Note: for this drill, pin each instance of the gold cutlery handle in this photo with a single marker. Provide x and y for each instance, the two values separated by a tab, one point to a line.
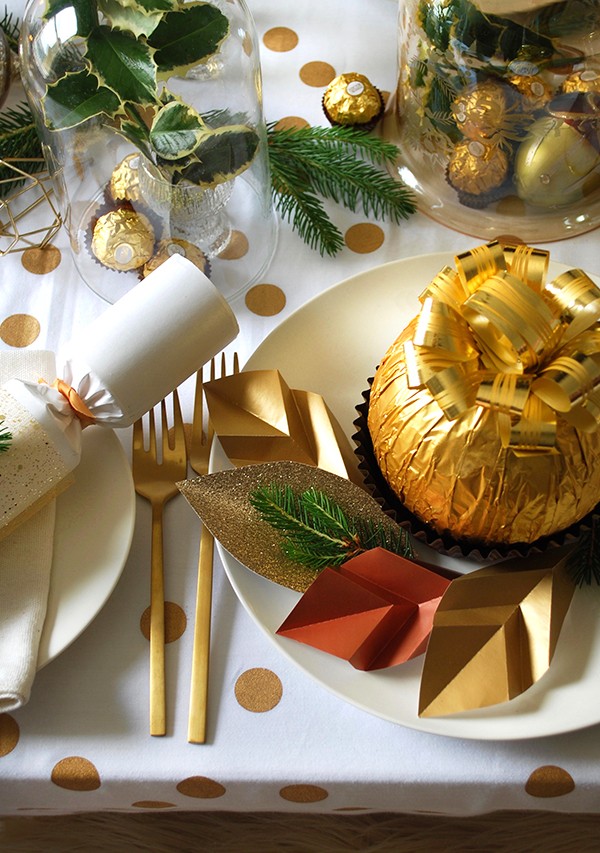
201	653
158	714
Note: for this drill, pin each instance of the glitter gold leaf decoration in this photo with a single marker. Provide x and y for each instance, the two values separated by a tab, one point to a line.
494	635
222	501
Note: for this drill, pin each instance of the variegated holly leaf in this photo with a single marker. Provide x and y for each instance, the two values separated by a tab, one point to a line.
176	131
494	635
123	64
85	14
75	98
222	153
188	36
129	17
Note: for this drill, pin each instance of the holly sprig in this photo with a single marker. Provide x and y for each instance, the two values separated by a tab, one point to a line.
317	532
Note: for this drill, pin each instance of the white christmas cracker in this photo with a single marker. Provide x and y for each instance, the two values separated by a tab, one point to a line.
115	370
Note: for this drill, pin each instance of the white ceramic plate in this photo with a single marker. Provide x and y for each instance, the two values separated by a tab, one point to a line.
332	345
94	526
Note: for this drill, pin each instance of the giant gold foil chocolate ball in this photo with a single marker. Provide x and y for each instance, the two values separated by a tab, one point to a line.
459	474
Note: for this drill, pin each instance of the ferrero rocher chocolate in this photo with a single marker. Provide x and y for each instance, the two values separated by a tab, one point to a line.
587	80
480	110
476	169
166	248
485	412
534	90
351	99
123	240
124	183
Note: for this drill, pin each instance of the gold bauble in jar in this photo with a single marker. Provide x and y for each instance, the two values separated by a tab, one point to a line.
555	164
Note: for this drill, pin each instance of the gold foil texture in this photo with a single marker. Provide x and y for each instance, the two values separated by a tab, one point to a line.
123	240
505	447
351	99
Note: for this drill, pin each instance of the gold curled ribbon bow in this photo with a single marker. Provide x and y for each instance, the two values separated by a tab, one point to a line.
494	333
74	400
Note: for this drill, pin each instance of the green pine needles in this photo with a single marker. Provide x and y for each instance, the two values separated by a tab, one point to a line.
316	531
5	439
338	163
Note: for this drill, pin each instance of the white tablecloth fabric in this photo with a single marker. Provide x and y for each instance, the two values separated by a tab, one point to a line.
82	742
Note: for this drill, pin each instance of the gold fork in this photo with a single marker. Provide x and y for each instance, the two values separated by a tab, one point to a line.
155	475
199	455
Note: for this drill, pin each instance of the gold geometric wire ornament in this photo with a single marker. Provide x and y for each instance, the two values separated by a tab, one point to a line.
22	193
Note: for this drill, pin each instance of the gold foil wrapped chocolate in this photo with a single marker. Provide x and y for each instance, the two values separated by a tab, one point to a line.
477	169
124	184
351	99
487	427
172	246
480	111
123	239
587	80
534	90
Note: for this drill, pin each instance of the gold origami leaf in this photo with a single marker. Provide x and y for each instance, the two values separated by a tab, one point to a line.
494	635
222	502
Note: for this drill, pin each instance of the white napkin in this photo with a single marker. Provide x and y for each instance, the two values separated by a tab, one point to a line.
25	566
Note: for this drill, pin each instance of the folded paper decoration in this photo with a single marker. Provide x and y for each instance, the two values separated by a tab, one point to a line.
258	418
113	371
494	635
375	611
222	502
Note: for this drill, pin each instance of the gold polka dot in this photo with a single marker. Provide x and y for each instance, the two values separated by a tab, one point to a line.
549	781
303	793
19	330
266	300
9	734
175	622
236	248
152	804
76	774
200	787
510	240
317	73
293	122
364	238
41	261
280	39
258	690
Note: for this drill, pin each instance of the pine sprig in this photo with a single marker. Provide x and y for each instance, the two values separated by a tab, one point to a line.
18	139
316	530
337	163
584	561
11	27
5	439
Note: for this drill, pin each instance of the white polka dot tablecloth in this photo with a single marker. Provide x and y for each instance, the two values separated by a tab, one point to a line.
276	741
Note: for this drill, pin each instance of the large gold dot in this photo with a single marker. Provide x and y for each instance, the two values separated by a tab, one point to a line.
9	734
280	39
41	261
549	781
258	690
200	787
19	330
236	248
317	73
303	793
76	774
364	237
291	122
266	300
175	622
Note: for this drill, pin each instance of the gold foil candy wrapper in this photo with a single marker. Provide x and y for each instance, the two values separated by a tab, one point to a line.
123	239
502	448
477	169
351	99
587	80
534	90
172	246
124	184
480	111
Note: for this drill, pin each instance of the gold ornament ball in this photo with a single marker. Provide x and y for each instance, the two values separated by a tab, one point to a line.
555	165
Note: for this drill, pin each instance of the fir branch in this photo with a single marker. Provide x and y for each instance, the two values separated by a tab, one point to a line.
337	163
583	563
18	140
316	530
11	27
5	439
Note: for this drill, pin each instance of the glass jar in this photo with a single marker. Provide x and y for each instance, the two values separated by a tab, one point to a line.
497	114
152	127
